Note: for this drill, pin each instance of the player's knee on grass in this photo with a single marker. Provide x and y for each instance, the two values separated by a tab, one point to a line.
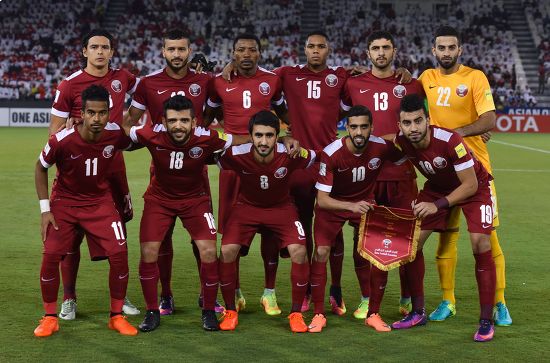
297	253
229	253
150	251
207	250
480	243
322	253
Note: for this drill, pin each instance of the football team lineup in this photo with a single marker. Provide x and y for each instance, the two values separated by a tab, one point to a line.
297	191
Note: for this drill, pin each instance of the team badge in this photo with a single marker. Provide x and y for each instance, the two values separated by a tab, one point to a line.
439	162
331	80
386	242
108	151
264	88
116	86
374	163
323	169
462	90
399	91
281	172
195	152
194	90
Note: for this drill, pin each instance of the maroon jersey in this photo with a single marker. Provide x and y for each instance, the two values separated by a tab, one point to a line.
157	87
82	167
351	177
442	159
244	97
313	101
179	169
383	98
118	82
264	185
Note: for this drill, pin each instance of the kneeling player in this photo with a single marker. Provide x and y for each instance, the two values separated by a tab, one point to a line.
81	200
264	204
454	178
180	152
347	179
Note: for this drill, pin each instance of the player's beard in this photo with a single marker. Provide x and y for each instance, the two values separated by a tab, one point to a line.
176	69
181	141
265	153
382	64
448	63
417	137
362	142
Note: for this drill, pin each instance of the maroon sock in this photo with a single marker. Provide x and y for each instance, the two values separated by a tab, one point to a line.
336	261
164	262
227	274
69	271
49	281
415	279
405	292
378	281
270	256
209	283
118	279
116	306
318	281
362	270
238	272
486	281
299	278
149	278
197	255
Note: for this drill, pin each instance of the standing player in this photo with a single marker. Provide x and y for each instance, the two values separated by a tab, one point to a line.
264	203
460	98
454	178
97	48
81	200
380	91
177	78
177	189
346	186
252	90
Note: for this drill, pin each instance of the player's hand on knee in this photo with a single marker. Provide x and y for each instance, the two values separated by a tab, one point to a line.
47	219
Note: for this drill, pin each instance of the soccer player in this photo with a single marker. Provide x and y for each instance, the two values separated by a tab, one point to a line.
180	151
81	200
460	98
97	48
346	188
252	90
454	178
264	203
381	92
177	78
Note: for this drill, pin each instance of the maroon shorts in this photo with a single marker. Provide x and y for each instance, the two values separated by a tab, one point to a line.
247	220
396	193
100	223
195	214
328	224
229	183
478	211
302	189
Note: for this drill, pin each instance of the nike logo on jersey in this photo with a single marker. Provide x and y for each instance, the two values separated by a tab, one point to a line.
364	90
161	92
230	89
430	86
75	157
300	79
121	277
342	170
47	280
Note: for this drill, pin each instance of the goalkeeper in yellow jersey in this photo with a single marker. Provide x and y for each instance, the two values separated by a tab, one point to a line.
460	98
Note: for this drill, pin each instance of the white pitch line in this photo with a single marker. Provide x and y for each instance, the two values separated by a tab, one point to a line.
524	170
521	146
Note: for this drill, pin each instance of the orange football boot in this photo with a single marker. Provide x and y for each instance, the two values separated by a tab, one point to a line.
297	324
48	325
230	320
120	324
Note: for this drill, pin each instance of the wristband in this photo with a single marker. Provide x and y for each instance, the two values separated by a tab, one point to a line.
442	203
44	205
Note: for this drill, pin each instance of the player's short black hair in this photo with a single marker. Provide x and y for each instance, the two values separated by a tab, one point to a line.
359	110
94	93
380	34
179	103
412	103
247	36
447	31
175	34
317	32
98	33
265	118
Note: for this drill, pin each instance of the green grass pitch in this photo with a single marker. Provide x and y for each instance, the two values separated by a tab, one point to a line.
522	180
